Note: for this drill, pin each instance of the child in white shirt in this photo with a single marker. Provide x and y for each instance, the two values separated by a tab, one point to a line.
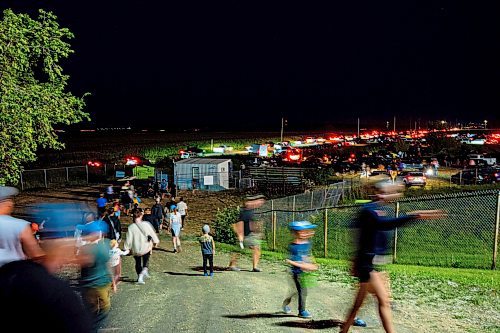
115	262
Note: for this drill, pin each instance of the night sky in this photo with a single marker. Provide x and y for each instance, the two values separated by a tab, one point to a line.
209	64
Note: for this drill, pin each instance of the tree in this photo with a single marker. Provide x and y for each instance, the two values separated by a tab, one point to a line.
32	89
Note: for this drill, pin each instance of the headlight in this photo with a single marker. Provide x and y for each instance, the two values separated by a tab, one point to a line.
429	172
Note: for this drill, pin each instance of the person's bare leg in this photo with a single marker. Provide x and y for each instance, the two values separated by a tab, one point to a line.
175	243
360	297
234	260
384	305
256	256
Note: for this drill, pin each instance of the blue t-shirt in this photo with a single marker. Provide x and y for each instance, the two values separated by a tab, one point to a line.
206	244
101	202
299	253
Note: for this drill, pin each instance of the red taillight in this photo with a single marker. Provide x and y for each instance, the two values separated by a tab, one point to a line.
89	162
181	152
410	178
97	164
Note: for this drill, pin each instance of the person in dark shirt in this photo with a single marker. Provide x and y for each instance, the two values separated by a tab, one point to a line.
372	240
28	286
157	214
247	229
113	223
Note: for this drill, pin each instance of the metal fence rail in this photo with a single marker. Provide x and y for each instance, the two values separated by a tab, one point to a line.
467	237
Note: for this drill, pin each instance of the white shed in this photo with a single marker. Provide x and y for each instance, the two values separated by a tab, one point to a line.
202	173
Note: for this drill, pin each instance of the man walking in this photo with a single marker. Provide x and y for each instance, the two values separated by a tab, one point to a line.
248	230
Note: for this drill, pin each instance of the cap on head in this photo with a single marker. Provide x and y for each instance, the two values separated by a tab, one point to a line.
206	228
301	225
6	192
172	207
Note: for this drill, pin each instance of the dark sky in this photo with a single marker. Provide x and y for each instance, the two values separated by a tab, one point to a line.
210	64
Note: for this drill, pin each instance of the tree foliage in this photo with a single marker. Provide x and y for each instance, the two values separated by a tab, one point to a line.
33	97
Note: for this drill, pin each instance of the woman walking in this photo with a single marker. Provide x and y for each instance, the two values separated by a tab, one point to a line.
141	237
175	227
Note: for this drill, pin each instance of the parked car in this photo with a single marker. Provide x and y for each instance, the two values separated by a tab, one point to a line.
414	178
191	152
491	175
467	177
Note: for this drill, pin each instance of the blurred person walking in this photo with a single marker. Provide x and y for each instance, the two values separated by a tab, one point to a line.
95	277
302	263
16	236
374	229
141	237
248	230
114	225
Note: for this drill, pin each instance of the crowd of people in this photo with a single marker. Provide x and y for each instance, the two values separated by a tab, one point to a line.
94	247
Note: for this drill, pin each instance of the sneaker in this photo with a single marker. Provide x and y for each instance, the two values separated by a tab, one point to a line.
234	268
205	274
145	273
212	274
359	322
175	251
256	270
140	280
305	314
286	309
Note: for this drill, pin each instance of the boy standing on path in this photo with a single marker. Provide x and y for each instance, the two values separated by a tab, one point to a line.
300	260
208	250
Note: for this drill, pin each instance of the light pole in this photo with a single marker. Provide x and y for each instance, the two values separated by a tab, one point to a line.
485	124
282	125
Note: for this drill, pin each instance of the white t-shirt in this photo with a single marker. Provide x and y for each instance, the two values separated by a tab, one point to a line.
10	239
181	207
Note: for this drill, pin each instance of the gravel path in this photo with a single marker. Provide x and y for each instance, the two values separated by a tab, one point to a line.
178	298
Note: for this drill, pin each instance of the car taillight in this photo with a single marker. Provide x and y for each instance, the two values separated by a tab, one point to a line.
410	178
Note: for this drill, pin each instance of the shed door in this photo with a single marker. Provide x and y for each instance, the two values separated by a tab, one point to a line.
196	173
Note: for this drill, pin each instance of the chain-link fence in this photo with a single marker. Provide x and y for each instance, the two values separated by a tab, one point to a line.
467	237
70	176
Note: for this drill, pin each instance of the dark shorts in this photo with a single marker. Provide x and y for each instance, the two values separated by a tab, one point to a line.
252	240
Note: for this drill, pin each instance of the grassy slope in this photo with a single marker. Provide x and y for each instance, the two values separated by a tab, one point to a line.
470	295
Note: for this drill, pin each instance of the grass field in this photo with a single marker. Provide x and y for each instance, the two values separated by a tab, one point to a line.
471	296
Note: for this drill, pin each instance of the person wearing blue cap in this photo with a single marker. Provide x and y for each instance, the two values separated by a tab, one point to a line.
175	227
95	277
301	262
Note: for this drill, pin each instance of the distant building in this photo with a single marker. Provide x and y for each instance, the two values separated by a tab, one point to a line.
202	173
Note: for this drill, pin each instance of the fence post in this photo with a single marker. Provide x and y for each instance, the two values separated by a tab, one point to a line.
325	226
87	172
312	197
273	224
460	182
395	251
22	185
274	230
67	174
45	177
497	225
105	173
293	209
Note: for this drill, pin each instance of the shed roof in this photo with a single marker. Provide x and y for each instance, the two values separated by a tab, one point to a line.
202	160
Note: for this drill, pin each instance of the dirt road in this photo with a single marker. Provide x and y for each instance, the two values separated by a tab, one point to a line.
178	298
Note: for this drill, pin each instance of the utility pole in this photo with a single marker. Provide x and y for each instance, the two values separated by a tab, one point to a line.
282	125
394	128
358	127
